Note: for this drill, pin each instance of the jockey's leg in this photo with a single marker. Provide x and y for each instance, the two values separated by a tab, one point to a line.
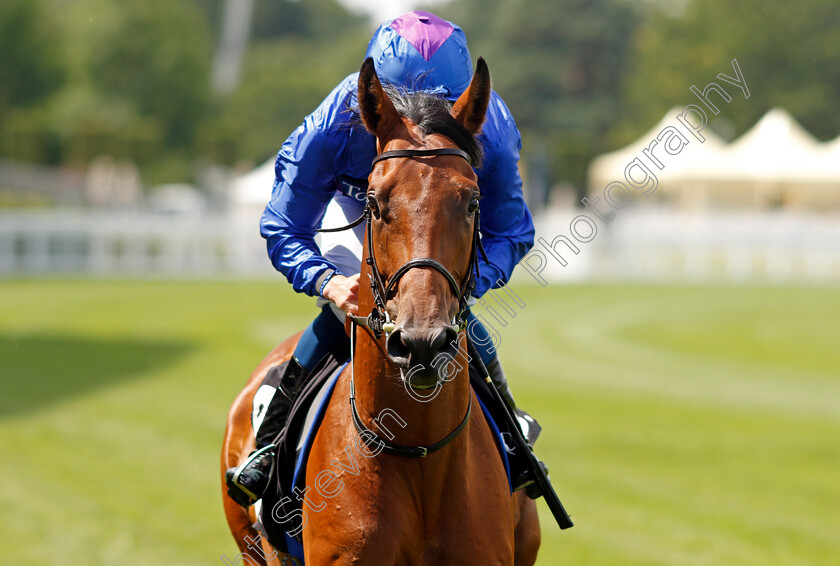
487	351
324	335
522	477
248	482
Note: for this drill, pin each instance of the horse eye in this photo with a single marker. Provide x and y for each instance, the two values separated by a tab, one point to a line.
473	206
373	206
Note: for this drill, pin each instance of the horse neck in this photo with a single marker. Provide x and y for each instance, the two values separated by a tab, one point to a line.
429	415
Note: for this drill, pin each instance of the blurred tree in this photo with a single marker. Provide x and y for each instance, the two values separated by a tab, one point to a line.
31	67
156	56
302	51
212	10
283	82
321	19
789	55
132	80
558	65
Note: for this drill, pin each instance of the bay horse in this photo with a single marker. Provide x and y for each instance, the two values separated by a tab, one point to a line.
453	506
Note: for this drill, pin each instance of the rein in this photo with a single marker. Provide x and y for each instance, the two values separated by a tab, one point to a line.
378	320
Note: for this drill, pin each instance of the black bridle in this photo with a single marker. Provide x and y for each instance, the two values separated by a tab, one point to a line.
378	321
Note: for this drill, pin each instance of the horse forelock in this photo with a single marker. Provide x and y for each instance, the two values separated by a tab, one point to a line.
431	114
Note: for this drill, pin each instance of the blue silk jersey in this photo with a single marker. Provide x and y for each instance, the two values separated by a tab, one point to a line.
331	151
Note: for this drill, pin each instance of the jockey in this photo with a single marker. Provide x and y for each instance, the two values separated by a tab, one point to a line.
321	180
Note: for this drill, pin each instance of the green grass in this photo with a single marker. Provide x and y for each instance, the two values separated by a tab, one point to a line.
682	425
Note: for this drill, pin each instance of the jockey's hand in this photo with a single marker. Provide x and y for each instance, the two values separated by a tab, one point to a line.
344	292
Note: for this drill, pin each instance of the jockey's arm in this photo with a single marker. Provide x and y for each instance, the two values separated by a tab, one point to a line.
303	187
507	228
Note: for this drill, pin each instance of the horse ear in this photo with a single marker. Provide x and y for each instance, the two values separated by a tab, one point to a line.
377	110
471	107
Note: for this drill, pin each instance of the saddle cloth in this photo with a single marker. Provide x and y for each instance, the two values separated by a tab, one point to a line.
281	512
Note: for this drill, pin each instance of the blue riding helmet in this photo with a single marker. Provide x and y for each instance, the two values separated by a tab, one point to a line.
445	67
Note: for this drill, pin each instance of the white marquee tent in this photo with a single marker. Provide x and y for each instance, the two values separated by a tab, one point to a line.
778	150
689	162
249	193
776	162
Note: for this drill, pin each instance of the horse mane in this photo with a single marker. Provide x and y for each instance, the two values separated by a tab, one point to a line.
431	113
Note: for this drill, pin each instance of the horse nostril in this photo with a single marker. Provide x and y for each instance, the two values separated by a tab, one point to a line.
411	347
445	342
451	343
437	341
397	348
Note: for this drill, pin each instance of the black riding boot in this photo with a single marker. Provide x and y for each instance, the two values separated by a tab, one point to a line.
497	374
247	483
524	478
529	426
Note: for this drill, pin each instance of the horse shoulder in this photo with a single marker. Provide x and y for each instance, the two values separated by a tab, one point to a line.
347	493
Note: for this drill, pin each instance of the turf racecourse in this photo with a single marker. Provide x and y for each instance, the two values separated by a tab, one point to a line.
683	425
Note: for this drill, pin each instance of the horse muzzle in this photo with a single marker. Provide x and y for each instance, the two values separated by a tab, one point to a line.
423	354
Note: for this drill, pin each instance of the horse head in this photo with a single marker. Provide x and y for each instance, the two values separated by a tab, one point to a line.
423	199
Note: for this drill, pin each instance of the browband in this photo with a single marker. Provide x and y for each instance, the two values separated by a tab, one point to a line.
421	153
